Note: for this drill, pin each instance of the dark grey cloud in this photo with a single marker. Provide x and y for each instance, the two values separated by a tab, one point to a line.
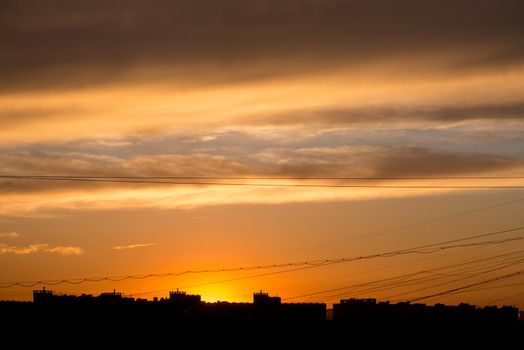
417	161
394	113
49	44
308	161
82	164
389	162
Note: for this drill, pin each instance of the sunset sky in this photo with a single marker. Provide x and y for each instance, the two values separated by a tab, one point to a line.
258	89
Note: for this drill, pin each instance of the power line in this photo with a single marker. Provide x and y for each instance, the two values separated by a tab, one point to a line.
472	237
356	178
467	273
267	274
248	184
518	262
496	287
504	296
407	280
231	279
401	278
491	280
424	249
384	231
420	223
310	267
475	289
380	268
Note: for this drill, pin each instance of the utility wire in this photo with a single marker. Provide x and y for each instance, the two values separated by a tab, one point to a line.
504	296
471	237
388	282
231	279
277	272
356	178
518	284
248	184
520	261
311	267
406	281
380	268
475	289
424	249
381	232
471	273
491	280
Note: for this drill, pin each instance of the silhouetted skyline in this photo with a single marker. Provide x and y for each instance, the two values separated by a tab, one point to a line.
114	316
353	311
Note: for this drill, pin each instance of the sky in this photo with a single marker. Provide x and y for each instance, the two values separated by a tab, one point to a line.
258	89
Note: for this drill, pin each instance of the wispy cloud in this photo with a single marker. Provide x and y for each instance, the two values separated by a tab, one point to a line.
323	155
190	197
133	246
64	250
40	247
9	234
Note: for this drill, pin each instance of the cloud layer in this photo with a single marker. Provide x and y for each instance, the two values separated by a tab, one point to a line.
316	156
253	88
62	44
9	234
277	153
38	248
132	246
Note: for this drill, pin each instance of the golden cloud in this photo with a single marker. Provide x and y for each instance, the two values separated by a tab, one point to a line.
40	247
133	246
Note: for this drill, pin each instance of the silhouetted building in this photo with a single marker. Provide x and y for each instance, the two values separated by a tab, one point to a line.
114	295
356	310
265	312
183	300
42	296
261	298
303	312
182	315
367	311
